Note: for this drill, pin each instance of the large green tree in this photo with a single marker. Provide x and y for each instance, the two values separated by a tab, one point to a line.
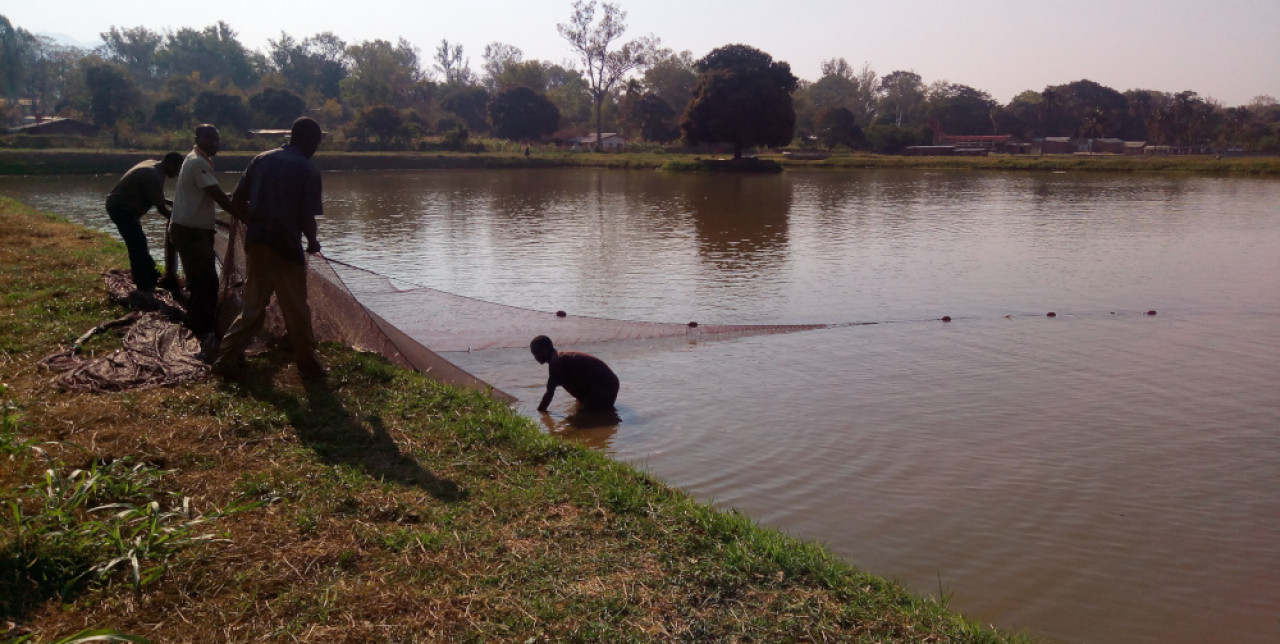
48	74
17	49
384	74
1088	109
743	97
671	78
384	122
223	109
469	103
645	112
838	126
594	42
112	94
843	86
134	48
960	109
498	58
215	53
568	89
521	114
275	108
901	97
313	67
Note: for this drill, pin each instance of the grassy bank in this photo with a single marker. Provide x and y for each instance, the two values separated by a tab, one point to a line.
18	162
1204	165
378	506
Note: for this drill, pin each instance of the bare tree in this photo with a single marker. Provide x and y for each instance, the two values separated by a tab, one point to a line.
498	57
456	69
592	44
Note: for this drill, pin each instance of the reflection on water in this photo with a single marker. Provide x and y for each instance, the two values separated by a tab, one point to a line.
1099	476
592	428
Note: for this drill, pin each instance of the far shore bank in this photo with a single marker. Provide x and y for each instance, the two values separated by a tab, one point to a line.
48	162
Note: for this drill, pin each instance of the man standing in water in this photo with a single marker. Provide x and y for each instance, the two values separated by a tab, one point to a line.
583	375
192	227
140	189
279	195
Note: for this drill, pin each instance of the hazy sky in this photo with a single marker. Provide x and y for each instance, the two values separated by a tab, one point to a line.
1225	49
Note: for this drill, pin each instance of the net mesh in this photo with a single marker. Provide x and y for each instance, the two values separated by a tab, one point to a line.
356	307
361	309
449	322
410	326
338	316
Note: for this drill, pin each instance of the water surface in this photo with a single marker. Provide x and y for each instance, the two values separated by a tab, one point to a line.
1103	475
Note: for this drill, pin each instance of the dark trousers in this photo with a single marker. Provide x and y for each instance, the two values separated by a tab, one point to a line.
195	249
129	223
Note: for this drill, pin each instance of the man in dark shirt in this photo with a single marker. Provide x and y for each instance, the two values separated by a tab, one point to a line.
279	194
140	189
583	375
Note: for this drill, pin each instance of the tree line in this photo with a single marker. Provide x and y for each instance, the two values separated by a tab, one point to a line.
388	95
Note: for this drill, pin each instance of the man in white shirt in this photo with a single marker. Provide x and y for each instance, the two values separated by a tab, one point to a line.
192	226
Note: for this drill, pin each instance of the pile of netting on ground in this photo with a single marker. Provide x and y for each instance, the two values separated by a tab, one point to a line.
156	349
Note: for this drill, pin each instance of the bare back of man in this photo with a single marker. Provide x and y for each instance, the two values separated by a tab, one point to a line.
583	375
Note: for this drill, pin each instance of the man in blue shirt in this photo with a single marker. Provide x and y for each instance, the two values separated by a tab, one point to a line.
279	194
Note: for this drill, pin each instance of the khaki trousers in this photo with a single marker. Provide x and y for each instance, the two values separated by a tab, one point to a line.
268	273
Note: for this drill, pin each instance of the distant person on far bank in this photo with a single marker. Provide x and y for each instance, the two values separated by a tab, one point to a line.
192	228
583	375
279	197
135	194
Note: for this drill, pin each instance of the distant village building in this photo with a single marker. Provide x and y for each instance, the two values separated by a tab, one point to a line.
1058	145
1134	147
609	142
269	134
61	126
1002	143
1106	146
943	151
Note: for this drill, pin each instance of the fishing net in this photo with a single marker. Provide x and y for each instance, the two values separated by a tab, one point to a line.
156	349
358	308
448	322
409	326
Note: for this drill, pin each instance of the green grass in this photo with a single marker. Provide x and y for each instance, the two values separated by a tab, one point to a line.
377	506
1208	165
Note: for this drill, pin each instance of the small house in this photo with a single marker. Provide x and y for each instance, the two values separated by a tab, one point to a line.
1135	147
609	142
1107	146
61	126
1057	145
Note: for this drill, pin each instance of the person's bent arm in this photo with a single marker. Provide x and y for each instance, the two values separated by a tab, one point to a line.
221	198
312	208
158	200
546	398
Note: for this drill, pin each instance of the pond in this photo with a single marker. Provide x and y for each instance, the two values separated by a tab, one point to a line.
1102	475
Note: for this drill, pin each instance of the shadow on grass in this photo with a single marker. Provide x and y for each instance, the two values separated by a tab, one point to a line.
338	437
31	575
